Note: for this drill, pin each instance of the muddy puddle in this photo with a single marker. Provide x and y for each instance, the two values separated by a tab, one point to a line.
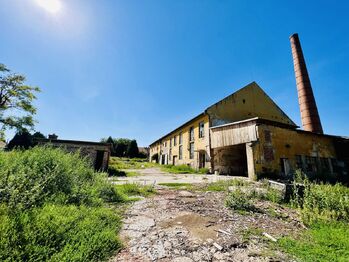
200	227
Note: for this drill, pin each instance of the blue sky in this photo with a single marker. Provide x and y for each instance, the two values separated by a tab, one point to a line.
138	69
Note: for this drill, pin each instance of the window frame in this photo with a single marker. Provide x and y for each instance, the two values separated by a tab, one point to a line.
202	129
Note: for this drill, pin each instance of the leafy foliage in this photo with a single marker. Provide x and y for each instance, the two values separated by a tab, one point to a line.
15	97
123	147
322	202
238	200
51	208
58	233
24	140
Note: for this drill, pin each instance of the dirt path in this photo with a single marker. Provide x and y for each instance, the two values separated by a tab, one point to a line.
184	226
156	175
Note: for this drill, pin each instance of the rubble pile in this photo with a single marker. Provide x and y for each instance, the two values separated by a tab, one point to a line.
196	226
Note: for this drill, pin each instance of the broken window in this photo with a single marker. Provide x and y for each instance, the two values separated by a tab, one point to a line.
174	140
180	152
191	134
201	129
310	164
299	163
170	142
191	149
180	138
325	164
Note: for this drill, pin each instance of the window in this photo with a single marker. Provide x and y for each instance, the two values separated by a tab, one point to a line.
180	152
170	154
201	129
180	138
191	134
191	149
325	164
299	163
170	142
174	140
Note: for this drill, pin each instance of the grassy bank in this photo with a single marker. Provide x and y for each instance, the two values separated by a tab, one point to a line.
183	169
54	207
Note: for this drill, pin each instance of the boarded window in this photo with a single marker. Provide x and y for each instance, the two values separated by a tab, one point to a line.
268	153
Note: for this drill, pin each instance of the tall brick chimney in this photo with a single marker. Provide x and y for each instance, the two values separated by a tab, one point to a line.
309	113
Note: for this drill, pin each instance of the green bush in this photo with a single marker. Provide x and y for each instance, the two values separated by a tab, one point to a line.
323	202
58	233
239	200
51	208
30	178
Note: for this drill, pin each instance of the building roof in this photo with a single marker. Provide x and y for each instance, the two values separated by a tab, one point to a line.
62	141
250	85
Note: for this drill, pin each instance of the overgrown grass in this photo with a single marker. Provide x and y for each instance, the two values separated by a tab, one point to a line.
53	208
322	242
325	209
119	163
237	200
183	169
135	189
223	185
177	185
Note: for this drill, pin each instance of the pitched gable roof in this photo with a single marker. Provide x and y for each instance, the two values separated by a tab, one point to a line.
248	102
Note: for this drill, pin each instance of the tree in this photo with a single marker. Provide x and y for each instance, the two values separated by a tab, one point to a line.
16	97
132	149
22	139
121	145
111	141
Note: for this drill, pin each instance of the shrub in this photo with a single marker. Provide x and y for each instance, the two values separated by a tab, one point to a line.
51	208
238	200
58	233
42	174
325	202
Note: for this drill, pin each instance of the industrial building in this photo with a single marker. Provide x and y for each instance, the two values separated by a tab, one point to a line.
247	134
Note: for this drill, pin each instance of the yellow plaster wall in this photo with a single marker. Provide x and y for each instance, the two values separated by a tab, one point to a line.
248	102
287	143
199	143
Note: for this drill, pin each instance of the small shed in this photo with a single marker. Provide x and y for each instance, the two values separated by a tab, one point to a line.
98	153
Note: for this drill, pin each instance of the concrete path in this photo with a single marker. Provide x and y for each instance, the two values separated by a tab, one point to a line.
157	176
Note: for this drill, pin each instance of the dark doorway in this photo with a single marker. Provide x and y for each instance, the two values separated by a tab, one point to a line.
99	160
202	159
231	160
174	160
